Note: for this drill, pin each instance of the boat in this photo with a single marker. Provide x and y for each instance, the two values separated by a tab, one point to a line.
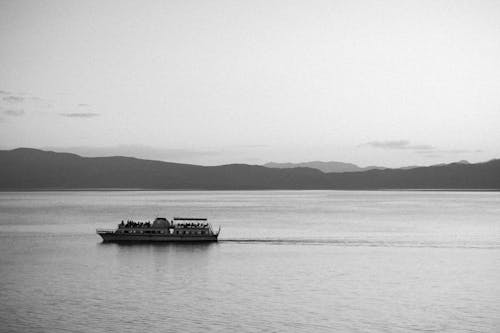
179	229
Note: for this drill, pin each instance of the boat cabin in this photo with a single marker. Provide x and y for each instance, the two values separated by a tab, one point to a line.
182	226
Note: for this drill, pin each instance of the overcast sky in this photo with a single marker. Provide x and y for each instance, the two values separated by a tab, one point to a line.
209	82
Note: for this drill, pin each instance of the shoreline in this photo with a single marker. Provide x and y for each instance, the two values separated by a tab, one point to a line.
242	190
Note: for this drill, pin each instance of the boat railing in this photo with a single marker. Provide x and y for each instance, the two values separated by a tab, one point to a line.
105	231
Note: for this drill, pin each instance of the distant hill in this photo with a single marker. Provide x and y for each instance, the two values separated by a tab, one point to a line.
477	176
31	169
326	167
26	168
333	166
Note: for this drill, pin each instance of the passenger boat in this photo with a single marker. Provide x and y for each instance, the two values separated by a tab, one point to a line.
179	229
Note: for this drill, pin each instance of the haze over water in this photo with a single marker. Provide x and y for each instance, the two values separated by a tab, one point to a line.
304	261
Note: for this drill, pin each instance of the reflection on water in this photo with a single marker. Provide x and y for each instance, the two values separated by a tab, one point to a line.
287	261
188	246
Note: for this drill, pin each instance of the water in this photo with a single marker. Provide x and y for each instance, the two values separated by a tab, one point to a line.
298	261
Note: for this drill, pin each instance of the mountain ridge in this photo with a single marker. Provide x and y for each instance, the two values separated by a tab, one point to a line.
28	169
335	166
327	167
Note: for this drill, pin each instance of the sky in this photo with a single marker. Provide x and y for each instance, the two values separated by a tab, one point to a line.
388	83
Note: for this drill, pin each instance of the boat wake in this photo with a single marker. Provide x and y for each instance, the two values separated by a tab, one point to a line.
365	243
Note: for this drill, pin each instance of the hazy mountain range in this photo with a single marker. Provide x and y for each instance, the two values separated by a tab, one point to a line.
27	169
333	166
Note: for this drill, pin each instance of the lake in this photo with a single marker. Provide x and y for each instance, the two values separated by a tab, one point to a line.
296	261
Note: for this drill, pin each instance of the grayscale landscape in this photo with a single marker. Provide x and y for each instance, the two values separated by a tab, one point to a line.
249	166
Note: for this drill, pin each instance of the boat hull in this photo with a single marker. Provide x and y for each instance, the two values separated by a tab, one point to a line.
114	237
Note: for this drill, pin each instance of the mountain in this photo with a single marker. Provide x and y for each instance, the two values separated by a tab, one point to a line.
485	176
326	167
333	166
27	169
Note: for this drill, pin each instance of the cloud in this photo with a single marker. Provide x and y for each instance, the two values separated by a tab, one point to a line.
13	99
80	114
399	144
249	146
26	100
433	155
443	152
462	151
41	102
14	113
421	149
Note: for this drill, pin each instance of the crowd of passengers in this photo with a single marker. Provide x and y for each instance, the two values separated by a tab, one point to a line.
133	224
192	225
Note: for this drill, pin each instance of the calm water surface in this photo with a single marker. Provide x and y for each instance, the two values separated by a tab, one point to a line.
288	261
